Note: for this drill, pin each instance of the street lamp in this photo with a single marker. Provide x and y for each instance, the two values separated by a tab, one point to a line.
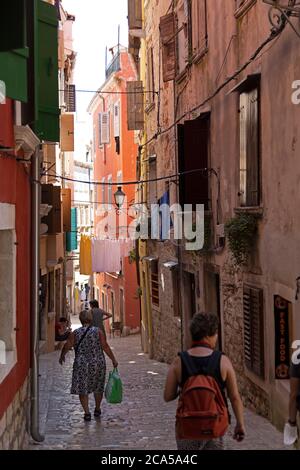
119	197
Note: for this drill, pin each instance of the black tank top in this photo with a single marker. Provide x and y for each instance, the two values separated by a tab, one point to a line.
206	365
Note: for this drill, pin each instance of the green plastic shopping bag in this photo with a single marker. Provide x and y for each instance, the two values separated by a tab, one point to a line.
114	388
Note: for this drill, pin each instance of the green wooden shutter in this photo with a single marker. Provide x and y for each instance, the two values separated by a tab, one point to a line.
46	72
72	236
13	25
13	72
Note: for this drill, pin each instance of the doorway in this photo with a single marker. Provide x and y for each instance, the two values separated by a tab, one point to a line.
189	303
213	298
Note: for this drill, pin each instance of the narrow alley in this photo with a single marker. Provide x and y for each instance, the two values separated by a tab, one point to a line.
142	422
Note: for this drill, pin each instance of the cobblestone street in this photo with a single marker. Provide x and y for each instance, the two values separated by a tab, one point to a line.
142	421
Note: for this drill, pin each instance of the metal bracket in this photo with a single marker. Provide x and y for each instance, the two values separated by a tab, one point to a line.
280	13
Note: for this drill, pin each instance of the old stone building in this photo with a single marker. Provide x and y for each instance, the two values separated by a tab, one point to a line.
216	117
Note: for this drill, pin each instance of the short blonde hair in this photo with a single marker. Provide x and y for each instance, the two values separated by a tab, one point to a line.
86	316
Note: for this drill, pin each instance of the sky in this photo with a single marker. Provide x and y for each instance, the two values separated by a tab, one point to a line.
95	28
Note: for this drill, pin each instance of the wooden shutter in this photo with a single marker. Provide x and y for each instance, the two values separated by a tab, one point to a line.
253	330
66	203
154	283
167	33
104	128
135	105
150	76
135	17
70	98
72	235
51	195
117	119
46	73
61	49
199	26
67	132
252	149
13	25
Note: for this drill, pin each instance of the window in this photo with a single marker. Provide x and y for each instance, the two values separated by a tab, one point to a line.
112	294
154	283
135	106
168	45
116	112
254	330
152	196
183	37
104	128
249	192
8	289
150	77
198	20
193	154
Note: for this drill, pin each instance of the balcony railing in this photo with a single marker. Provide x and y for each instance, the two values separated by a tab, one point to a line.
114	66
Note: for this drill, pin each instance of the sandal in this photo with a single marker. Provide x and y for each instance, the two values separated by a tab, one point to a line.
87	417
97	413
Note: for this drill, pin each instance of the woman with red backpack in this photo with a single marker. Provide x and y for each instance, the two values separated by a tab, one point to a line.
200	377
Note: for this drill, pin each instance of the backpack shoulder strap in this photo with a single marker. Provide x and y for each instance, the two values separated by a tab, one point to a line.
214	363
188	363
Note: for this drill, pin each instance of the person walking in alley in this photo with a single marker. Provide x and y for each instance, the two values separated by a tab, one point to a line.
89	366
99	315
200	377
290	433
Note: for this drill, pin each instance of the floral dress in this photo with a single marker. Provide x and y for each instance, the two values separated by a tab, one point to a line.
89	364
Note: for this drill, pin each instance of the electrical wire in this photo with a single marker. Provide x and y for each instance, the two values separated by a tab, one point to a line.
128	183
270	38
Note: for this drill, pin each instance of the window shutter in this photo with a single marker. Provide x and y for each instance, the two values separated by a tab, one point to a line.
51	195
135	17
104	128
61	49
135	105
13	25
46	73
199	26
117	120
167	33
66	203
13	72
70	98
72	236
67	132
253	330
252	149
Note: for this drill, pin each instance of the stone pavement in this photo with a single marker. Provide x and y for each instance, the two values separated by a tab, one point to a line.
143	421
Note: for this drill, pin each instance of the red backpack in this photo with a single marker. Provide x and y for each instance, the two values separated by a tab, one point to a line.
202	412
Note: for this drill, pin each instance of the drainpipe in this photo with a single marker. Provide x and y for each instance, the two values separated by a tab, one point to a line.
35	280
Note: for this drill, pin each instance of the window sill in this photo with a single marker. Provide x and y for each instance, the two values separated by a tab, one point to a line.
256	210
244	8
181	76
150	108
199	56
256	380
11	361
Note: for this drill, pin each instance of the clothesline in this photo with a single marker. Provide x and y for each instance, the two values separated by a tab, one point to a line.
102	255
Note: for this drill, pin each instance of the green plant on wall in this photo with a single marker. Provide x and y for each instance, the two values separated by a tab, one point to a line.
241	233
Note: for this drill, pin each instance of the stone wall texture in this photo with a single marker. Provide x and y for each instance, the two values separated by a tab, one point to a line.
14	422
